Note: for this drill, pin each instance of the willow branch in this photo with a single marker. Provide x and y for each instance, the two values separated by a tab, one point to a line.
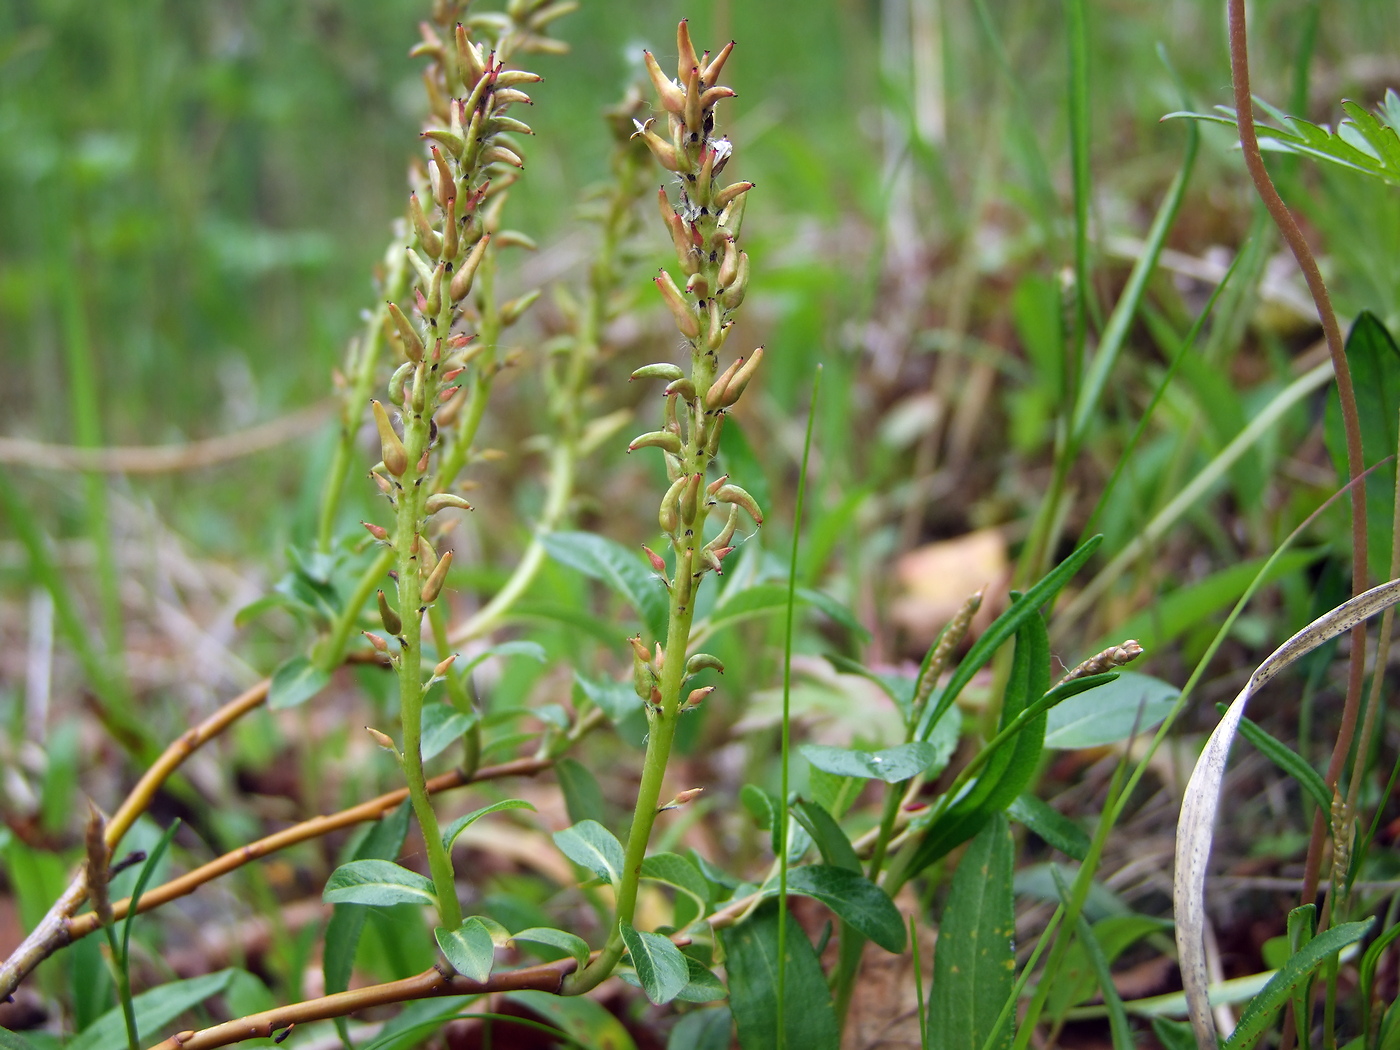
1297	243
426	985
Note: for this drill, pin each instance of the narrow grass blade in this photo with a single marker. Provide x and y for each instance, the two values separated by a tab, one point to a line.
1196	825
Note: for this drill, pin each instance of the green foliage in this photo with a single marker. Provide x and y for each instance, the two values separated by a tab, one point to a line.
377	882
751	951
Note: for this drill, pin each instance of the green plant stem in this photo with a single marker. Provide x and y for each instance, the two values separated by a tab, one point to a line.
662	721
123	976
332	650
366	365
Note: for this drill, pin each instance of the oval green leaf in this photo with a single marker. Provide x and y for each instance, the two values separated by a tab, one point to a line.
295	682
468	948
590	845
377	882
855	900
659	964
462	823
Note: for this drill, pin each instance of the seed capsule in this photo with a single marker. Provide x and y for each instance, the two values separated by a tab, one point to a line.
734	494
672	97
664	152
662	439
689	501
379	532
739	383
711	70
429	238
703	662
412	341
733	295
462	280
661	370
395	455
443	665
685	317
669	515
442	500
391	620
387	743
682	388
715	395
688	60
375	640
696	698
433	584
657	562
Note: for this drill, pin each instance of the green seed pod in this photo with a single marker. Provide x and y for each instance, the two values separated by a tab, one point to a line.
503	97
716	425
669	515
733	295
662	439
412	341
503	155
470	61
714	397
684	586
395	455
695	698
698	285
714	94
703	662
689	502
421	268
731	219
451	141
397	381
727	533
504	123
449	231
736	386
432	586
685	317
671	96
434	304
660	370
682	388
731	193
729	266
665	153
462	280
510	77
442	500
420	388
734	494
643	676
673	466
710	71
515	308
517	239
390	619
375	640
429	238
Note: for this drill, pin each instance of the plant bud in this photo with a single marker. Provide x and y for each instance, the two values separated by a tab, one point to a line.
709	72
689	502
375	640
419	399
503	155
643	675
391	620
697	696
383	740
397	381
714	486
442	500
716	425
698	285
669	516
673	466
429	238
503	97
513	310
443	665
731	192
671	96
395	455
420	267
715	330
434	303
686	50
727	533
714	397
662	439
703	662
379	532
423	461
443	186
453	373
662	370
449	230
663	151
451	141
433	584
693	93
737	385
657	562
412	341
448	394
639	651
510	77
426	554
685	317
682	388
734	494
729	265
385	486
714	94
470	63
684	586
462	280
733	294
681	799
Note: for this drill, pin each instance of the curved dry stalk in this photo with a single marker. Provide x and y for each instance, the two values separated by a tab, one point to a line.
1298	244
166	459
429	984
52	931
1195	828
317	826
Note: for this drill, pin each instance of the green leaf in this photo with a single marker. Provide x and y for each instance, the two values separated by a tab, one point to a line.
1174	1035
1288	760
1002	628
835	847
443	726
702	986
584	1020
583	798
12	1041
377	882
462	823
618	700
561	939
1076	980
892	765
1374	360
590	845
468	948
1259	1014
751	960
295	682
619	568
675	870
974	964
702	1030
1110	712
154	1010
856	901
659	964
1051	825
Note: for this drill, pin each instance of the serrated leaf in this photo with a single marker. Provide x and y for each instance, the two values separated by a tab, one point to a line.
295	682
443	726
618	567
1111	712
751	961
590	845
974	962
855	899
659	964
462	823
1259	1014
154	1009
892	765
561	939
468	948
377	882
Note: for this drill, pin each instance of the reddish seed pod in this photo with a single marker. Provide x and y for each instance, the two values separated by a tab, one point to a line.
657	562
379	532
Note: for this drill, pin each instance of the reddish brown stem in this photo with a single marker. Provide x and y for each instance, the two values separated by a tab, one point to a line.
426	985
1297	243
